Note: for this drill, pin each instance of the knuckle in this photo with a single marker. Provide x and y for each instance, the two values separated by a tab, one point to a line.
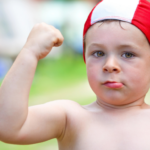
54	39
53	33
62	38
51	26
42	24
36	25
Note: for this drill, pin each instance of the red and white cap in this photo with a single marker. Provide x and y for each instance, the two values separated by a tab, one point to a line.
136	12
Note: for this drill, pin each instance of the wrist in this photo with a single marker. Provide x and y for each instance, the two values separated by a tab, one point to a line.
30	53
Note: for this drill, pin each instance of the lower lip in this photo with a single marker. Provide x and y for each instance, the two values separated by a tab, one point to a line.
113	85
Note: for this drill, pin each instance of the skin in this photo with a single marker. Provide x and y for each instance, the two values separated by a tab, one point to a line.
118	119
133	72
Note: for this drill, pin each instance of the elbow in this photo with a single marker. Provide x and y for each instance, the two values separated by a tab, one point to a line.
9	138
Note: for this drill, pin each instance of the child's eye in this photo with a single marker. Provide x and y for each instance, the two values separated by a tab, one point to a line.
99	54
127	55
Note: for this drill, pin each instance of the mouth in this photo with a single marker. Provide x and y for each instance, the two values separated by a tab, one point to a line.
113	84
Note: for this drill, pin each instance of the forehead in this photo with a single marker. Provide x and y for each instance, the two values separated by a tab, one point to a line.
115	32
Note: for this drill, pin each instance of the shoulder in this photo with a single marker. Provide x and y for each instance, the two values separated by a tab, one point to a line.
66	104
70	108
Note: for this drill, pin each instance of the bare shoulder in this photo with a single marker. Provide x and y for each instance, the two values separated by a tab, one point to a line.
72	107
77	117
67	105
69	108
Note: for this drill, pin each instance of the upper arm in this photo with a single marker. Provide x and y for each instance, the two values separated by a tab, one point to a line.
43	122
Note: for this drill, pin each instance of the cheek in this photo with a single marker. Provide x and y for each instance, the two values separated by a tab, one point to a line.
93	74
138	76
92	70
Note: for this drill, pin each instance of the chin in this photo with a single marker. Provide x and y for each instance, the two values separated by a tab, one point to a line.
113	99
116	102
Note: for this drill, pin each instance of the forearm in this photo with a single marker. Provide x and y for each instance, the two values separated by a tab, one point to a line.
14	93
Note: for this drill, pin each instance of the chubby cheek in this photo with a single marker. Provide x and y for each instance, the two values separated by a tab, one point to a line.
93	74
138	78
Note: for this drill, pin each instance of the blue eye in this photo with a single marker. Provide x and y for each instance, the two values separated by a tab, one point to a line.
127	55
99	54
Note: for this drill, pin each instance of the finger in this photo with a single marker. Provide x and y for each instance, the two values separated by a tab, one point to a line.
59	40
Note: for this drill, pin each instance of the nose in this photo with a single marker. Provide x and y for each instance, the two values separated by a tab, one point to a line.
111	65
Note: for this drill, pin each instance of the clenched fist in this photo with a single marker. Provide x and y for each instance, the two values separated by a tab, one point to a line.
42	38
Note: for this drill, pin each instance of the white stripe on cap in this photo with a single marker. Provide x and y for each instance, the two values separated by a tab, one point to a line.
115	9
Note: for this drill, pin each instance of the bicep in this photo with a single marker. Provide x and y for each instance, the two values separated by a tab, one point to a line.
43	122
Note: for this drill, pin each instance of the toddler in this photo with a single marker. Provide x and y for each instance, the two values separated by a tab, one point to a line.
117	57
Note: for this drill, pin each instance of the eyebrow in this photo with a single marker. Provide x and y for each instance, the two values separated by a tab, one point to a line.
96	45
133	46
121	46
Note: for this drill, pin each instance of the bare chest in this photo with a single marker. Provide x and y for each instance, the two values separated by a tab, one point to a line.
110	134
123	137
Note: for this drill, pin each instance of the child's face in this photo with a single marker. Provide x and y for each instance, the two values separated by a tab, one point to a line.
118	54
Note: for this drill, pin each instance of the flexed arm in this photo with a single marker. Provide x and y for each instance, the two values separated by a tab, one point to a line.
16	120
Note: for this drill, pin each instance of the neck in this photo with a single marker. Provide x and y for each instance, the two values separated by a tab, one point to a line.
135	104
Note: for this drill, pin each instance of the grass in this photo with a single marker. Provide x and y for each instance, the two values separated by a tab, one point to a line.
51	144
54	74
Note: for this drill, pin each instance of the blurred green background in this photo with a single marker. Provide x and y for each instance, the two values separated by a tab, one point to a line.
62	74
63	78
